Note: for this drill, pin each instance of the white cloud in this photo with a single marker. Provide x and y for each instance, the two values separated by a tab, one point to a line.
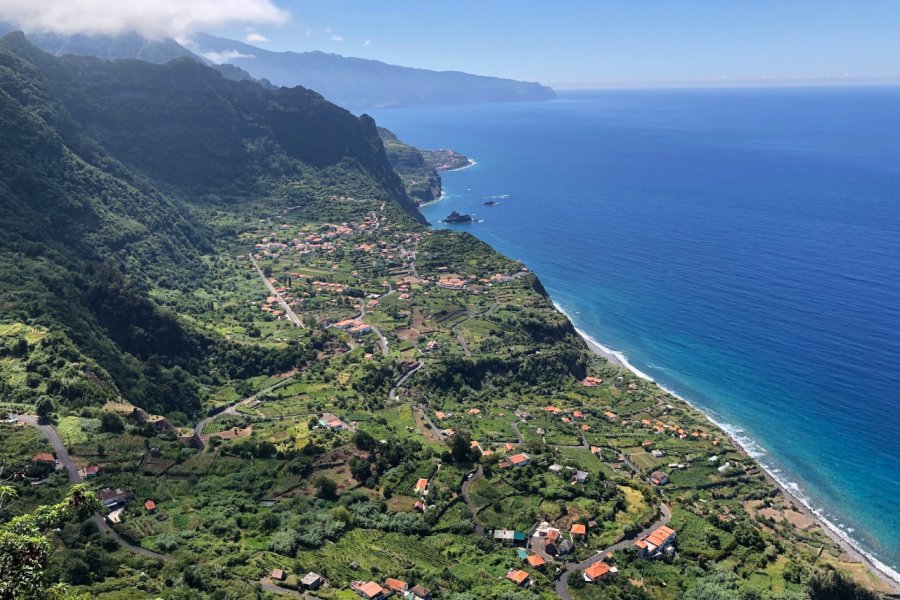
226	56
328	30
308	32
367	43
337	38
255	38
152	18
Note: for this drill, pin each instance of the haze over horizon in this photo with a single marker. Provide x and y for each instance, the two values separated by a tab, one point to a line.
581	44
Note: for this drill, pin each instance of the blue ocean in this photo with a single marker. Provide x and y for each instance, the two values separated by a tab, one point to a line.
740	247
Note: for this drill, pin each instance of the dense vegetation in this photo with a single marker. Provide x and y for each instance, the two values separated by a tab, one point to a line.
162	225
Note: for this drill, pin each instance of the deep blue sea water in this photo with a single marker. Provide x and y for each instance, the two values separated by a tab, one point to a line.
741	247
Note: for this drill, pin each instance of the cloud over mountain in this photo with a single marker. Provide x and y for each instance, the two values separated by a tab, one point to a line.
152	18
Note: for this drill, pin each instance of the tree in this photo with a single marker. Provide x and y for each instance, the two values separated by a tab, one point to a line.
828	584
363	440
576	579
24	550
360	469
110	422
327	489
45	406
461	447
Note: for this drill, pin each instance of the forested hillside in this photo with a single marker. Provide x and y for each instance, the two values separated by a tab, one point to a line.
104	165
234	363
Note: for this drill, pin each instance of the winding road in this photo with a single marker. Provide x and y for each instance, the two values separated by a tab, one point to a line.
562	584
392	395
62	453
230	410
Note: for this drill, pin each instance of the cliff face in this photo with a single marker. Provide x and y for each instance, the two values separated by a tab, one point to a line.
103	166
183	124
420	169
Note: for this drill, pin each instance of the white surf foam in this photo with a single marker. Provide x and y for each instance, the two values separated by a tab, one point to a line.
759	454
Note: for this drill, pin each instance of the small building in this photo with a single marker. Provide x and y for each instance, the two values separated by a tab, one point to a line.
91	472
420	592
332	422
580	477
150	506
535	561
44	458
555	468
519	460
598	571
369	590
659	478
278	575
517	576
657	453
113	497
395	585
579	530
421	486
311	581
509	536
656	542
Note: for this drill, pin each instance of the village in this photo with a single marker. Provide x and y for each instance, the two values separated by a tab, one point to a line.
408	458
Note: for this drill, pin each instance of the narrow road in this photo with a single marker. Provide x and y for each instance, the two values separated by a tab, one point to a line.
437	431
382	341
287	309
392	395
470	506
62	454
562	584
198	428
59	448
515	427
462	342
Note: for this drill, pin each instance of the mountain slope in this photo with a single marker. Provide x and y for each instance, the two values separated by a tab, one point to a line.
102	166
360	83
184	125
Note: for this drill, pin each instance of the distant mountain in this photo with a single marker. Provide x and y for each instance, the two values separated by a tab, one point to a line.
353	83
359	83
126	46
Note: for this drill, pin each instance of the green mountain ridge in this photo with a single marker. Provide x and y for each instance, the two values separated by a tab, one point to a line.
223	299
102	165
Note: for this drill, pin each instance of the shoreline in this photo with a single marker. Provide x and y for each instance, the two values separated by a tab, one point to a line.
888	578
443	195
471	163
885	574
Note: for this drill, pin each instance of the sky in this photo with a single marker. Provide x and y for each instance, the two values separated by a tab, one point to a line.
564	43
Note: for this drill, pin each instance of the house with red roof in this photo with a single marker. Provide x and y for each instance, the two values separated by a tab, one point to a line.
518	460
369	590
395	585
598	571
517	576
656	542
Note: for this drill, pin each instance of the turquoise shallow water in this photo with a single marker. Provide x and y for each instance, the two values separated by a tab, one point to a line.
741	247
